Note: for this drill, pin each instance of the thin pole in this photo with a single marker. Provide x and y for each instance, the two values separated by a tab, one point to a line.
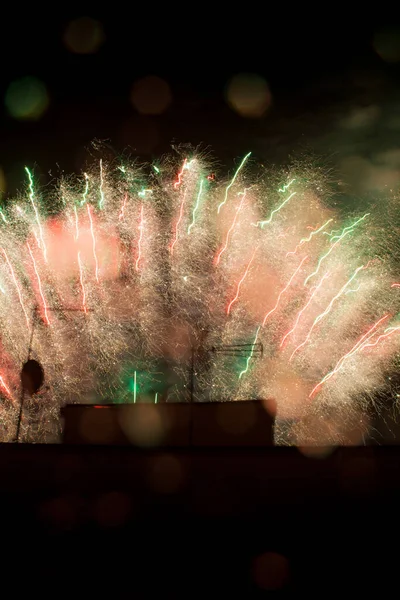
21	404
192	374
192	377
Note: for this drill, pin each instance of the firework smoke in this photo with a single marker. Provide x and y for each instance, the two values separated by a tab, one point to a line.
123	273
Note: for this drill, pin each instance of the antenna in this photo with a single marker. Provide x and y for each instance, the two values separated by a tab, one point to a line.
236	350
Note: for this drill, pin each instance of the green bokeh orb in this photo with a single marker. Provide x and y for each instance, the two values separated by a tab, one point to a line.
26	99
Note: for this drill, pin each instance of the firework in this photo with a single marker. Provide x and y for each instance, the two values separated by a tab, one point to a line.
120	278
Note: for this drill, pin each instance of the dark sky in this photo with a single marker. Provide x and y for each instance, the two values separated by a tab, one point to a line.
330	91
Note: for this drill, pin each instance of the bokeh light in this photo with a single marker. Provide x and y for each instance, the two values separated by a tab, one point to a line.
362	117
270	406
96	428
113	509
386	43
368	176
318	452
271	571
145	427
27	99
166	475
151	95
248	94
60	513
84	36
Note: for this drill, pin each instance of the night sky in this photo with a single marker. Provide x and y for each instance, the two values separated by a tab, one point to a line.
332	82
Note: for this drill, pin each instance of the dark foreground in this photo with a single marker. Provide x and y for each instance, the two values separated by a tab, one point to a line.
117	522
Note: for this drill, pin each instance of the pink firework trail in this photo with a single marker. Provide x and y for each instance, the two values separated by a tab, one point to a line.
224	247
180	174
76	224
314	231
284	233
82	284
46	317
328	309
178	222
93	243
5	386
357	346
283	291
141	227
389	331
315	290
228	310
121	214
16	287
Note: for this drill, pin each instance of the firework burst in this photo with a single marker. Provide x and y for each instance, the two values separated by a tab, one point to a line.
139	268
